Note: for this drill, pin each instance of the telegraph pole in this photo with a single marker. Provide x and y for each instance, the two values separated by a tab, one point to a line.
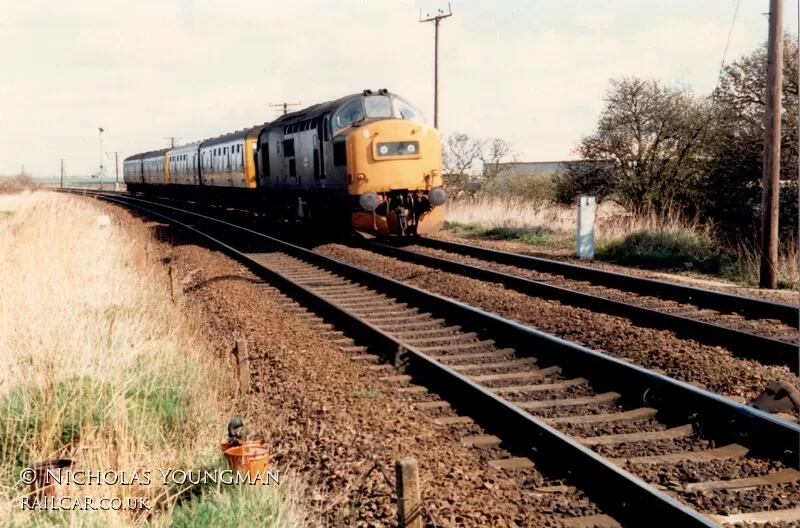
770	186
62	173
173	141
441	15
286	106
101	157
116	167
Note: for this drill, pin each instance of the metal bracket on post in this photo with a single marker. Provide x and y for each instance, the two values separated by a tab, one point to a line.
585	238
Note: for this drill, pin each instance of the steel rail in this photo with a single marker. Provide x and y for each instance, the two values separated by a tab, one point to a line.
605	482
766	350
723	302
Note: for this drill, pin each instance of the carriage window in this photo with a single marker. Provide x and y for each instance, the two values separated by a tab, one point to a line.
349	114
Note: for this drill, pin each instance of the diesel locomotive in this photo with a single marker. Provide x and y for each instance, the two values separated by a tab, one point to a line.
366	160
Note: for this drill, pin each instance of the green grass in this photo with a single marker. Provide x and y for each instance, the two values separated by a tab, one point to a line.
240	506
535	236
665	249
64	410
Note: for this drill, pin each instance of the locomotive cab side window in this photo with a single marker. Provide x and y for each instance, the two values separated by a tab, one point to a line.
349	114
404	110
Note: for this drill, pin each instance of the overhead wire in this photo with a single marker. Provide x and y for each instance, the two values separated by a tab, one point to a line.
727	45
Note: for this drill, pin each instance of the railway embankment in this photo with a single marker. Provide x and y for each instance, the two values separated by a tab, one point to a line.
103	369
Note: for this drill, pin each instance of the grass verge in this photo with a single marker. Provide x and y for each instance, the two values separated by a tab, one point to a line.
678	248
101	367
666	242
535	235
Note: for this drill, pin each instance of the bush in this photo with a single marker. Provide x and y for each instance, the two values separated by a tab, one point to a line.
666	249
15	184
524	186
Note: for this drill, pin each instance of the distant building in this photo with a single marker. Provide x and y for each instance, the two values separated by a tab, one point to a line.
544	168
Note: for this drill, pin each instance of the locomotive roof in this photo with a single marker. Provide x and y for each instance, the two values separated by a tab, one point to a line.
239	134
154	153
322	108
300	115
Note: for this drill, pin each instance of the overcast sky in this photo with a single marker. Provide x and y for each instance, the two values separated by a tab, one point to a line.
530	71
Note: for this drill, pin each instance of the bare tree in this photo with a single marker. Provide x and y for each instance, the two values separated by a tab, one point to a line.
459	155
492	156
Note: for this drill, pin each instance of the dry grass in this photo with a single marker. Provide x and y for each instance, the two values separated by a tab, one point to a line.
16	184
746	265
668	240
613	222
98	364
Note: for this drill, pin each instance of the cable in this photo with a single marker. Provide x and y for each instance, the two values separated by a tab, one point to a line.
727	44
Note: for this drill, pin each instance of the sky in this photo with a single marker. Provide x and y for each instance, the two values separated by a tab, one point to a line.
532	72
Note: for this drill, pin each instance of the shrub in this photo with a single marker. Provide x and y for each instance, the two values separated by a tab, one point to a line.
665	248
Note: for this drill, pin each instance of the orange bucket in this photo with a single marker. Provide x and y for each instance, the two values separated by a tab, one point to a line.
227	445
250	458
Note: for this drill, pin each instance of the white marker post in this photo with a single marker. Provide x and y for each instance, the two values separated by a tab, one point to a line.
585	240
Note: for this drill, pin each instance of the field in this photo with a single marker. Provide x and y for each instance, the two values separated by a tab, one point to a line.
102	366
670	242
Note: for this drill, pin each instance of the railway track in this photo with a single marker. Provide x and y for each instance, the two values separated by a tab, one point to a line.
770	343
722	302
648	450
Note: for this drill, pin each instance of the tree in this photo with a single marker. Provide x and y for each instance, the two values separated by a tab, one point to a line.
461	153
731	187
646	149
492	155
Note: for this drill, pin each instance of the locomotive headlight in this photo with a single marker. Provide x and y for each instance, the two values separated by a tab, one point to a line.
369	201
437	196
397	149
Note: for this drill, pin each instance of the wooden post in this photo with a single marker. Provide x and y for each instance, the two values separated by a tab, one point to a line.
243	364
409	501
171	283
770	189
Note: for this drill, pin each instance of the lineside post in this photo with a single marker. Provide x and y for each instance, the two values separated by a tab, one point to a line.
587	206
243	365
409	501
